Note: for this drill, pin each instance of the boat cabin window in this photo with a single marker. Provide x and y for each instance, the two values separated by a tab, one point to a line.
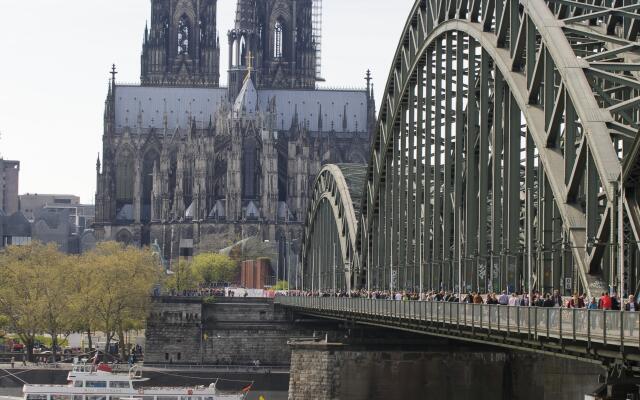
60	397
36	397
96	397
120	384
78	397
83	368
77	383
96	384
168	398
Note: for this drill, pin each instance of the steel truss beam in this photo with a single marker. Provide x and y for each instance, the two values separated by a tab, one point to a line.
499	146
330	258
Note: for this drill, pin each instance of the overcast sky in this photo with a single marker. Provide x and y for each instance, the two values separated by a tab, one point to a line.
56	55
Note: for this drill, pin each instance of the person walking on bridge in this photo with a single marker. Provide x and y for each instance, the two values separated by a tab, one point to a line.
631	318
605	302
557	299
631	304
504	298
576	301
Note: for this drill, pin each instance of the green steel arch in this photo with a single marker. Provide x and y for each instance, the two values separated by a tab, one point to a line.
330	259
498	156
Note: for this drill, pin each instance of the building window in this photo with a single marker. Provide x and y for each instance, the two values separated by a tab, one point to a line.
19	241
183	35
278	42
186	252
96	384
124	177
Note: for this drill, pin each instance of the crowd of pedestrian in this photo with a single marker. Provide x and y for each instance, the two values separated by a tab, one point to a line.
605	301
201	292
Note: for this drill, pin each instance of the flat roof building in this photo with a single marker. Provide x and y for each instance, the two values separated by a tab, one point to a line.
30	203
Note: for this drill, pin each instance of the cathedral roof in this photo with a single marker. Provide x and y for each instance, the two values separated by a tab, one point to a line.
153	103
247	100
311	104
322	110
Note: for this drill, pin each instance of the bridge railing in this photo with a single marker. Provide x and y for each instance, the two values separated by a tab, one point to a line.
618	328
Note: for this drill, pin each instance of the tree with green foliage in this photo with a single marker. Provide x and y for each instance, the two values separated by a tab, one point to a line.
281	285
181	278
45	291
33	292
120	292
211	268
82	305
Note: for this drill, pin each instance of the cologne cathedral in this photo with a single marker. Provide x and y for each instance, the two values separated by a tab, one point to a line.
190	166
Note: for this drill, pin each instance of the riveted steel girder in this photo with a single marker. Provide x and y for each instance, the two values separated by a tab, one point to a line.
330	258
497	159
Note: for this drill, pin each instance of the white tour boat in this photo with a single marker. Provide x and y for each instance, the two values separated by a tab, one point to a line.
100	382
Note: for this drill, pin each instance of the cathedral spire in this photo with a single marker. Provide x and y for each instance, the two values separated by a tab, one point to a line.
165	118
113	75
294	119
345	123
368	79
139	121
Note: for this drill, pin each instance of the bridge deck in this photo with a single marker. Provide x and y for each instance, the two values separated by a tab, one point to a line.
593	334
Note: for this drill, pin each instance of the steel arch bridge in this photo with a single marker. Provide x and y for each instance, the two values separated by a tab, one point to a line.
329	251
506	152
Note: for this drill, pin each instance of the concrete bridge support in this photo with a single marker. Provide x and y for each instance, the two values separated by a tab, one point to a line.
335	371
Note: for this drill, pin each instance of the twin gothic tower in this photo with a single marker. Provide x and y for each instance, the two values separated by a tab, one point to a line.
192	166
274	38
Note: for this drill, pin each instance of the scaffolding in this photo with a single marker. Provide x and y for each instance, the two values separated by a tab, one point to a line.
317	35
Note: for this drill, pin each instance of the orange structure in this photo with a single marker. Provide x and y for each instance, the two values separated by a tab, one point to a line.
254	273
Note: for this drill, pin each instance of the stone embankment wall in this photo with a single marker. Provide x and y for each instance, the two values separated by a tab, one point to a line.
236	331
323	371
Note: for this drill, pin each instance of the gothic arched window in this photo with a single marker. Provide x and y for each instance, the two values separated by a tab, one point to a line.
150	162
124	177
183	35
278	40
243	51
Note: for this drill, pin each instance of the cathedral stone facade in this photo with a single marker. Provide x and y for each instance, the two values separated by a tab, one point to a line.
190	166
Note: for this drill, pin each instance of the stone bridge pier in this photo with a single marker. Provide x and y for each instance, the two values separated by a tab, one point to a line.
440	370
